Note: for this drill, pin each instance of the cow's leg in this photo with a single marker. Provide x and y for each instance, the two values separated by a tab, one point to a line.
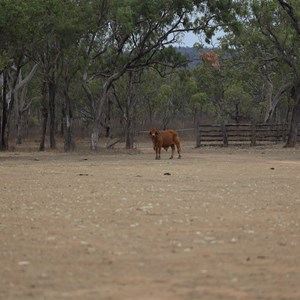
178	150
173	150
157	152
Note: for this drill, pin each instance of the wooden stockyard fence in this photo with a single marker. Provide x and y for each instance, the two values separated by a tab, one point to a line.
235	133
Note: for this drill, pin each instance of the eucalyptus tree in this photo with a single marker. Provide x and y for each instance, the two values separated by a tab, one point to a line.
16	34
270	37
292	59
126	95
278	24
55	48
212	82
174	95
22	101
129	91
198	105
44	34
148	93
70	30
129	35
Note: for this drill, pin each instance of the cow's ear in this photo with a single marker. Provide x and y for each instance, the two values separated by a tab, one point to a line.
156	132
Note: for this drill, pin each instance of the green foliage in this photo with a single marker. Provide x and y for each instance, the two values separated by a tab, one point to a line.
267	51
238	103
199	103
105	39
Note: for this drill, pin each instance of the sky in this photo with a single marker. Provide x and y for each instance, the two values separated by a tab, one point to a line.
190	39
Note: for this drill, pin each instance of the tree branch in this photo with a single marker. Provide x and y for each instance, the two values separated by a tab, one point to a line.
290	11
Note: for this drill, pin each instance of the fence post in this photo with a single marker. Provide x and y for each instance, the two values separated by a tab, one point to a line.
224	134
198	135
253	134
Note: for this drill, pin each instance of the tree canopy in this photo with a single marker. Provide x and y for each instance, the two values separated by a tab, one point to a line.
80	50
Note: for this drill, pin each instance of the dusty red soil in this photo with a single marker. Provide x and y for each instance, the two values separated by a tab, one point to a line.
217	224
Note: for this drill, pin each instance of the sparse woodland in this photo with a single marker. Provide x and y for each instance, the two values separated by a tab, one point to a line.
112	67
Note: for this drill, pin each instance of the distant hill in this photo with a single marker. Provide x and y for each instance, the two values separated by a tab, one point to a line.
192	54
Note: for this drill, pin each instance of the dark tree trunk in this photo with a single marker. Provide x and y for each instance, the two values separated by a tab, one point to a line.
129	120
295	119
19	126
4	142
52	127
224	134
129	134
44	112
129	111
44	128
237	114
108	118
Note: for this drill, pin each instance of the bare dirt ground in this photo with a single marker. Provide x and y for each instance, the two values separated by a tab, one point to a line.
217	224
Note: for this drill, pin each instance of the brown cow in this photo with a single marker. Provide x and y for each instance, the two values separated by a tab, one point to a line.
165	139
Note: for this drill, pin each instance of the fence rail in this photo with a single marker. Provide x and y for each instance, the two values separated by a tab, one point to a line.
251	133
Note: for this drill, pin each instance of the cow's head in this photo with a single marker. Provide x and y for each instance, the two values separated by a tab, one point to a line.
154	132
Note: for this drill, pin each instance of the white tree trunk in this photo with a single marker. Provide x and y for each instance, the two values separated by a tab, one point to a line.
95	137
